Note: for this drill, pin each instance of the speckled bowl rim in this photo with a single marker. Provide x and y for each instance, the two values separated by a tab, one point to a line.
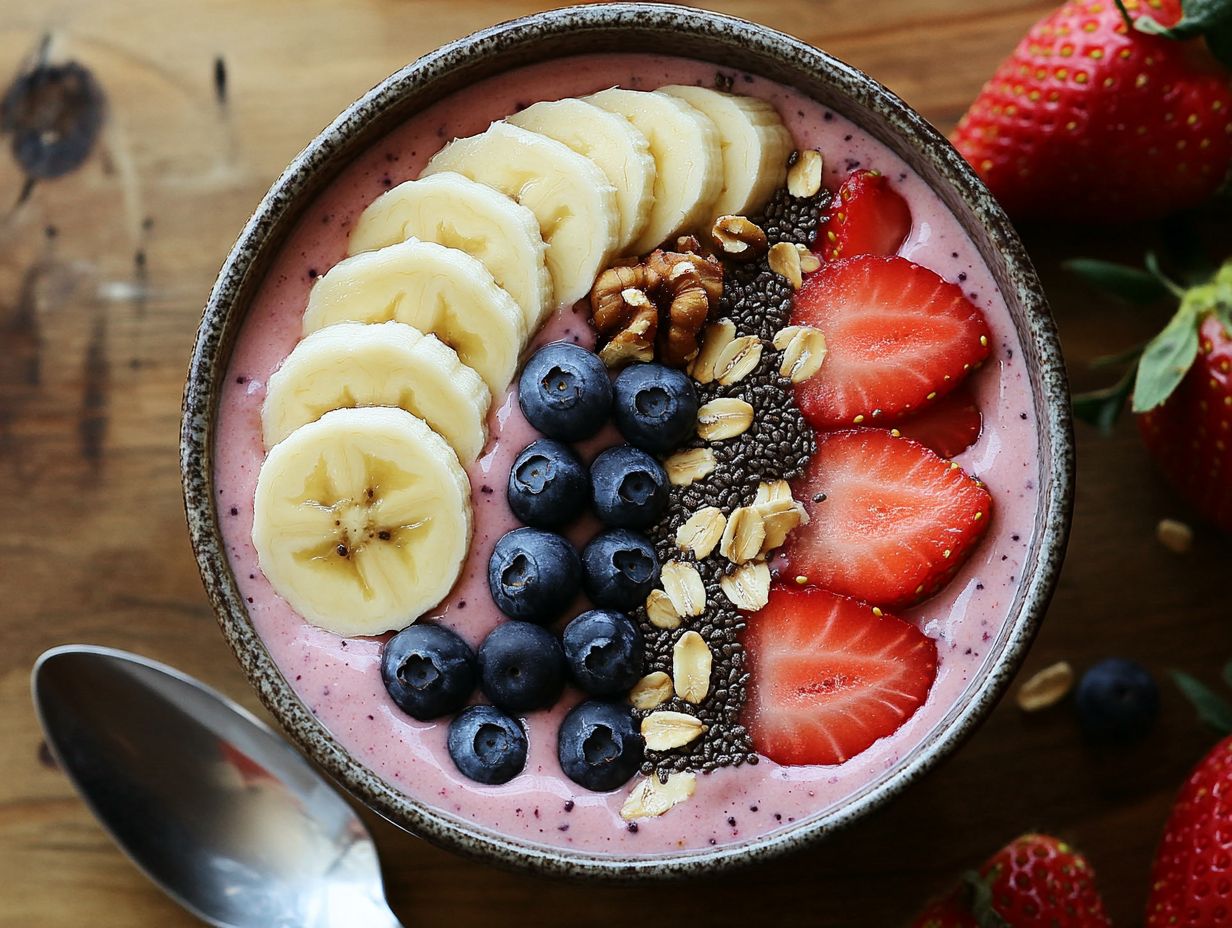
733	44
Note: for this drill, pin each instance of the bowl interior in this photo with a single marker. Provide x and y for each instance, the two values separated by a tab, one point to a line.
729	44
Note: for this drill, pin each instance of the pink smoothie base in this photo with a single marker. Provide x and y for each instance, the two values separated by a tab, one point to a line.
340	680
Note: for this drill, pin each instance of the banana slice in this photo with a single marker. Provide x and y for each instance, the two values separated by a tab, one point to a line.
754	142
688	160
459	213
362	520
390	364
572	199
438	290
610	141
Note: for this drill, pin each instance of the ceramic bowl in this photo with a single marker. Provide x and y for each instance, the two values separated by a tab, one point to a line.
734	44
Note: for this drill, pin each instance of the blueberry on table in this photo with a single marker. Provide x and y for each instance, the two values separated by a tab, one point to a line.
486	745
547	484
599	745
619	569
629	487
428	670
564	391
533	574
603	651
521	667
655	407
1117	701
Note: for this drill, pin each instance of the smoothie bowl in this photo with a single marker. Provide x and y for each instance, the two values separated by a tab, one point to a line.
627	442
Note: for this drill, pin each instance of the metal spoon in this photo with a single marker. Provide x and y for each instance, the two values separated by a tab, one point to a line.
213	806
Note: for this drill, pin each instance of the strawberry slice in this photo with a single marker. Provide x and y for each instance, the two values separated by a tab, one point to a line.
828	676
868	218
949	426
890	522
897	338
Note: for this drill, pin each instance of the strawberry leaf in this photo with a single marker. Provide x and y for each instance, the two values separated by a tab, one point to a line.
979	900
1102	408
1151	260
1224	315
1211	19
1120	359
1226	673
1212	708
1166	360
1198	17
1129	284
1220	45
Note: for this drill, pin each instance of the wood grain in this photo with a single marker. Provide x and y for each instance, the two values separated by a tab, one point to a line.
102	276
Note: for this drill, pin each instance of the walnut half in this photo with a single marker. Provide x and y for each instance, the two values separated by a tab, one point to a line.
656	307
692	286
621	309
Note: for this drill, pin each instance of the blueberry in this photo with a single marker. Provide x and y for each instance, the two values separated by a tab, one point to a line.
1117	701
619	569
598	745
603	651
629	487
547	484
486	745
428	670
655	407
564	391
533	574
521	667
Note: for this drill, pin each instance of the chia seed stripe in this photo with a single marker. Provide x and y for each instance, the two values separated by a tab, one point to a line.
777	445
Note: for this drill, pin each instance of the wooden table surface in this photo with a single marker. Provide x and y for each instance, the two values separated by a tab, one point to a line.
102	277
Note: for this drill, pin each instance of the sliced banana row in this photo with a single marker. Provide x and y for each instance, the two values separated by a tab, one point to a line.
362	514
615	173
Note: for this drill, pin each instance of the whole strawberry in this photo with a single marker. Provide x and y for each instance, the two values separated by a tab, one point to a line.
1035	881
1092	120
1182	393
1190	434
1191	882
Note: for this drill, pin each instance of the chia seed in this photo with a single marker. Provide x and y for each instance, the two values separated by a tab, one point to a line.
777	445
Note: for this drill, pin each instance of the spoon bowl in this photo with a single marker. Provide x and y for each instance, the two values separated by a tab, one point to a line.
205	799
